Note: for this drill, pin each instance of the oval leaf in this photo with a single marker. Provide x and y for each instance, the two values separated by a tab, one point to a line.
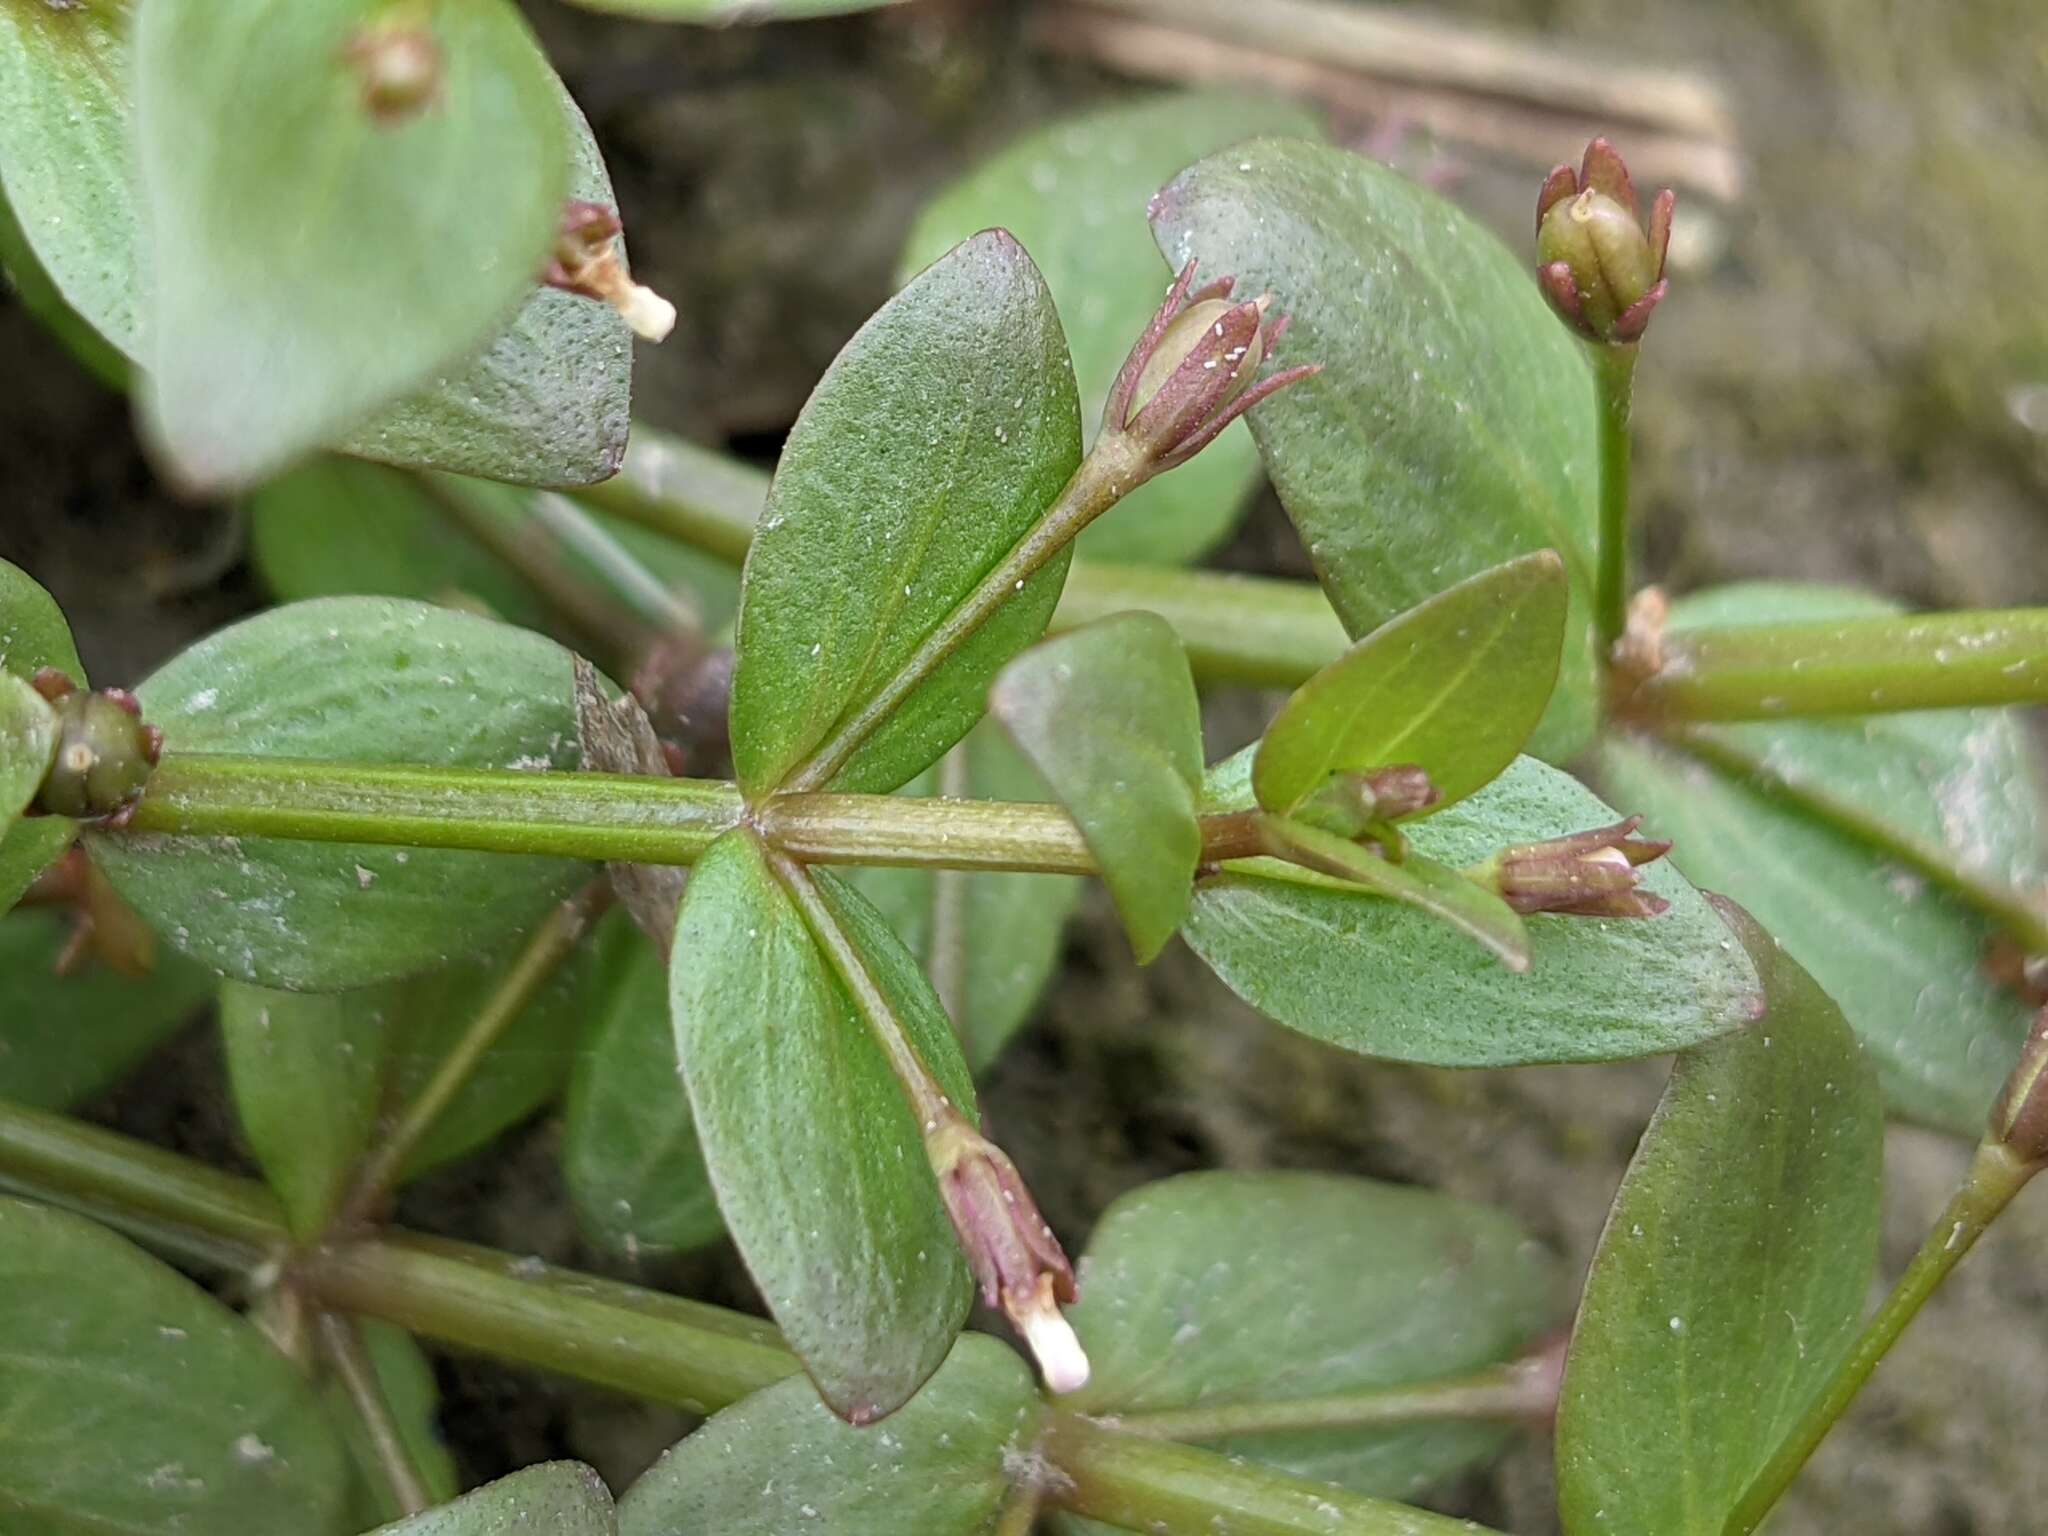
1452	425
562	1498
308	274
934	442
1074	192
1733	1268
1455	685
1248	1288
818	1163
1108	715
306	1071
630	1153
1903	958
33	635
777	1462
139	1403
1386	980
370	680
28	745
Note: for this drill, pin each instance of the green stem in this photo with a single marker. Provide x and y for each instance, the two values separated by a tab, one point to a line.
1175	1490
2009	908
691	494
342	1343
1515	1392
1614	370
1995	1177
1113	468
1848	666
539	958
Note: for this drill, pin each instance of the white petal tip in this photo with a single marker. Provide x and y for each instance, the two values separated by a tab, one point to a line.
1060	1356
648	313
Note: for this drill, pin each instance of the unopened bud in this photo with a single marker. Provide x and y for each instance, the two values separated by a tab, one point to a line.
104	751
1589	874
1016	1260
1349	804
2019	1120
586	261
398	69
1602	270
1194	371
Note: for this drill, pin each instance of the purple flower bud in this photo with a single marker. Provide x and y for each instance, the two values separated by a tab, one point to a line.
586	261
1349	804
1588	874
1018	1263
1601	269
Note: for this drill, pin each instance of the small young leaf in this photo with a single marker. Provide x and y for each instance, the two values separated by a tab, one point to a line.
818	1163
370	680
777	1462
33	635
1108	715
561	1498
1247	1288
66	1039
28	745
307	274
996	937
1386	980
629	1146
1903	958
406	1378
1074	193
136	1402
1454	685
934	442
1732	1271
1452	425
306	1070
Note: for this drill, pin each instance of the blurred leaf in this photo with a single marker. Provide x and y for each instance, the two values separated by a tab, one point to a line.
725	12
629	1149
560	1498
1003	930
406	1378
371	680
306	1071
778	1462
1074	193
28	745
1246	1288
1733	1269
1452	425
65	152
308	274
1904	959
1108	715
934	442
67	1039
33	635
1386	980
1455	685
136	1402
39	295
818	1163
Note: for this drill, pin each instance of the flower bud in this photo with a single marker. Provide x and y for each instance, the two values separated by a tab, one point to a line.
586	261
1349	804
1018	1263
1601	269
1192	372
104	752
2019	1121
1589	874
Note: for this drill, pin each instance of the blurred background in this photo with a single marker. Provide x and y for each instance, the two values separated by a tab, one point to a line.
1849	383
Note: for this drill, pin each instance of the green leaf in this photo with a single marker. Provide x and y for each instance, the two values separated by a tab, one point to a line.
1452	425
629	1148
65	146
561	1498
1903	958
778	1462
997	937
28	745
33	635
818	1162
1455	685
370	680
1241	1289
138	1403
308	274
1074	193
66	1039
406	1378
39	295
726	12
306	1071
934	442
1387	980
1733	1269
1108	715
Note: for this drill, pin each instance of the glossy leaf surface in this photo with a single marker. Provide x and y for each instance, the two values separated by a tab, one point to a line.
562	1498
33	635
